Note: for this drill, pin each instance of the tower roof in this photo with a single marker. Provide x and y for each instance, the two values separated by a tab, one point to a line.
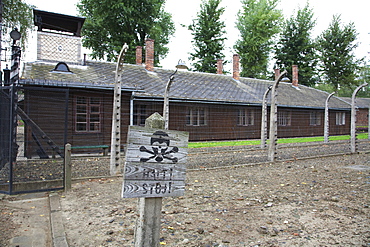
58	22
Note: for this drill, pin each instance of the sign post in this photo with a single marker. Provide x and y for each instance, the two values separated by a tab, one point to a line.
155	167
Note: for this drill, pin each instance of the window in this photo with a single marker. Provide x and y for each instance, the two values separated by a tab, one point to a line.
340	118
140	115
88	114
245	117
196	116
284	118
315	118
61	67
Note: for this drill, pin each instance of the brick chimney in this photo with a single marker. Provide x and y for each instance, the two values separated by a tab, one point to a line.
277	73
236	75
219	66
149	54
295	75
139	55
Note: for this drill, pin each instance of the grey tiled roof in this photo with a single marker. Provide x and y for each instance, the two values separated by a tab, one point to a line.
93	75
190	86
360	102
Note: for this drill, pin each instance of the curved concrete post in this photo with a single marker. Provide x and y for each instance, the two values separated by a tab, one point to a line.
264	118
166	110
273	119
353	118
326	119
115	147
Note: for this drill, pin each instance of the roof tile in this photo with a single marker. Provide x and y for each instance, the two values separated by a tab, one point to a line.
186	85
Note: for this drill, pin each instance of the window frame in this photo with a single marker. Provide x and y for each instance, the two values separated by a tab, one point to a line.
246	117
140	114
88	114
196	116
284	118
315	118
340	118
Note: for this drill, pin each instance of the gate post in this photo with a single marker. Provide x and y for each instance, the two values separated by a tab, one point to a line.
67	167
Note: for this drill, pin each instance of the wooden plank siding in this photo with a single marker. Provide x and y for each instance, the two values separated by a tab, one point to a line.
47	109
362	117
222	121
339	129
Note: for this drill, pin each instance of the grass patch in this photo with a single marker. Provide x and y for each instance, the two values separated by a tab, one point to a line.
223	143
280	141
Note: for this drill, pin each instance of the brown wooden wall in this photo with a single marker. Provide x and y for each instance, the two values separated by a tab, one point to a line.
46	107
362	117
300	124
223	123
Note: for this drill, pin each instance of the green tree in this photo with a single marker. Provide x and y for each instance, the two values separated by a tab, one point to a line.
364	76
208	36
258	22
111	23
336	46
296	47
347	91
16	14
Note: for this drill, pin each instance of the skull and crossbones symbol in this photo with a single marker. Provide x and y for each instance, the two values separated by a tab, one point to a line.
160	142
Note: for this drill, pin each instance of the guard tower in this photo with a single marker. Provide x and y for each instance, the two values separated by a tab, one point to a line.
58	37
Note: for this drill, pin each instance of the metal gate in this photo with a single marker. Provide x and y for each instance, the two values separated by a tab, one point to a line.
18	173
8	145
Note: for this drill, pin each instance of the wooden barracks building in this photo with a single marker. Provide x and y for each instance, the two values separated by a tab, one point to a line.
71	98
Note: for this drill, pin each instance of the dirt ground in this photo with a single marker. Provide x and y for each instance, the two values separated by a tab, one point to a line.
314	202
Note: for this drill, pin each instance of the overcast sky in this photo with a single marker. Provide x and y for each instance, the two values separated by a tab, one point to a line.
183	12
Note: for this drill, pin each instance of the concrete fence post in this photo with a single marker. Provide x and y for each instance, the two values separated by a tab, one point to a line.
115	148
326	119
353	119
67	167
273	119
264	119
